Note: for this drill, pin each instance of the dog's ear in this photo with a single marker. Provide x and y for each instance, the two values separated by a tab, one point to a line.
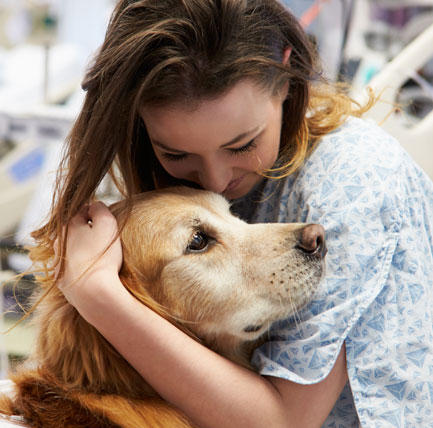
141	289
139	285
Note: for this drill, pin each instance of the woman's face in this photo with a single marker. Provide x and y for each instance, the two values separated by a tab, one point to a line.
221	144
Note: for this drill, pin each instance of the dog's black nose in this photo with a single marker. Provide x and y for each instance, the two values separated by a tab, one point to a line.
312	240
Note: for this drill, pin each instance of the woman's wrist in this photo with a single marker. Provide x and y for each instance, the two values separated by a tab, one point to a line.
101	291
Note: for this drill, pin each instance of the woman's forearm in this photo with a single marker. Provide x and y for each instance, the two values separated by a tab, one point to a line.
210	389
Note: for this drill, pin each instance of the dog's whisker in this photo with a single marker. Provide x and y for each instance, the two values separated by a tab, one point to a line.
281	302
295	312
268	329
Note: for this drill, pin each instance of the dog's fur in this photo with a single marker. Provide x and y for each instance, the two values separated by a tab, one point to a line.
187	257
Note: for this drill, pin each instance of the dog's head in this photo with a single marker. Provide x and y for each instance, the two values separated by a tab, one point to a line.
188	256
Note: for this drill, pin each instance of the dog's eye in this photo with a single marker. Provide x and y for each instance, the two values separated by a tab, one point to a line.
198	242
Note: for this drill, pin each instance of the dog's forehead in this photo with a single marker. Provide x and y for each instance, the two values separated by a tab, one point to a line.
180	207
187	200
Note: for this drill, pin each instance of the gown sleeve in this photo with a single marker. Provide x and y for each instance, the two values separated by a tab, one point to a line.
376	297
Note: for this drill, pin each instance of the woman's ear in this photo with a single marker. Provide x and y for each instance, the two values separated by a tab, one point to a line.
286	55
285	61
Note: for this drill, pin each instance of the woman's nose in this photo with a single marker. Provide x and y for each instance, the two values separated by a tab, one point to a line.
215	176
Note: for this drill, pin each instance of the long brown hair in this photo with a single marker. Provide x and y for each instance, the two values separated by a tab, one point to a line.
165	51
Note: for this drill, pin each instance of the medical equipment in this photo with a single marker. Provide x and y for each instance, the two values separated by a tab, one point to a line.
414	134
25	128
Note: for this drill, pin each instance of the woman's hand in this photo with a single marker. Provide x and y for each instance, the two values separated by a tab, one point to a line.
93	258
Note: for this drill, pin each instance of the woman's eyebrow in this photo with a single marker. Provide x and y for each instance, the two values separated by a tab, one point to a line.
164	147
240	137
235	140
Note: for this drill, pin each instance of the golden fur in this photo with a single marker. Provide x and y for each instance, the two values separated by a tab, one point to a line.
187	257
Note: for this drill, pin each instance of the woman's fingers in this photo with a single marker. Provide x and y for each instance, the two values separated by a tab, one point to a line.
100	215
97	208
81	217
92	244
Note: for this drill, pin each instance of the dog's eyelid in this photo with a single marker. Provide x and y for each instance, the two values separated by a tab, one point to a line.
199	226
208	233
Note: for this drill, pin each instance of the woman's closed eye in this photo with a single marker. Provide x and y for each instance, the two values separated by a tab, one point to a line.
233	151
174	157
245	148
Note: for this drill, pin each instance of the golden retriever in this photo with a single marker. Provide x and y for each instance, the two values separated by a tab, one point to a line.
220	280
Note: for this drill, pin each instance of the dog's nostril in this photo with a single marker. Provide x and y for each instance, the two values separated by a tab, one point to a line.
312	240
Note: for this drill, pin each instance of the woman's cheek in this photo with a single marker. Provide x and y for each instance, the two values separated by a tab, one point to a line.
177	169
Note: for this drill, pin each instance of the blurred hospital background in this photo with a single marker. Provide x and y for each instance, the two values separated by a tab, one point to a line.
46	44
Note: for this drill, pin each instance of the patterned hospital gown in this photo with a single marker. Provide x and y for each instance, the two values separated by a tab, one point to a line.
377	208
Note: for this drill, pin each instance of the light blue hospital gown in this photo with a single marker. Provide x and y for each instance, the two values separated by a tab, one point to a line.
377	208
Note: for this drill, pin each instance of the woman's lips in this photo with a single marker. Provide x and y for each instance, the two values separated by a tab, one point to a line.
233	184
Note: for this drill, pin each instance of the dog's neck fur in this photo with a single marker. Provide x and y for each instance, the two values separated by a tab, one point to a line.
75	367
233	349
102	370
227	345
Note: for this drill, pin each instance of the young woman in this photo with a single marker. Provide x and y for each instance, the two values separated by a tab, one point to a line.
226	95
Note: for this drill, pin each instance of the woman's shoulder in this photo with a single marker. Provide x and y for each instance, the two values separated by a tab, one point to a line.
359	153
358	126
358	167
358	142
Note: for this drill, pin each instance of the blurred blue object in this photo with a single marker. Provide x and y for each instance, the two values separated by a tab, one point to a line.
328	25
